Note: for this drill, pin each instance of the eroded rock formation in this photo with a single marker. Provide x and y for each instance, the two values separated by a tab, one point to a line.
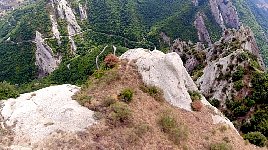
46	60
203	34
225	13
36	116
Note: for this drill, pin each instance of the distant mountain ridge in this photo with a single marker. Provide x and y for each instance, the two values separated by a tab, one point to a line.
40	37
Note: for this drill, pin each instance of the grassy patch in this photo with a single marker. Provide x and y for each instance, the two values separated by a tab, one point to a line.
153	91
82	98
141	129
108	102
176	132
220	146
126	95
120	113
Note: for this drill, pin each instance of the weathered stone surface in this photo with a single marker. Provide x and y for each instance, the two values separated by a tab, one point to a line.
246	36
203	34
46	61
167	72
66	12
225	13
55	29
35	116
83	12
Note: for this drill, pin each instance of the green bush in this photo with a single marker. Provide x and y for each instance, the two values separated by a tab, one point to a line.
7	91
256	138
195	96
176	132
215	102
238	85
240	111
238	75
121	113
220	146
153	91
126	95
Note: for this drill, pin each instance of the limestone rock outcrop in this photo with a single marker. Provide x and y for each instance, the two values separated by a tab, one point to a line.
246	36
35	116
65	12
167	72
55	29
203	34
225	13
46	60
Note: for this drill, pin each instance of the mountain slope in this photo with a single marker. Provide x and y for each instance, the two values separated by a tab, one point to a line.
71	29
129	114
249	16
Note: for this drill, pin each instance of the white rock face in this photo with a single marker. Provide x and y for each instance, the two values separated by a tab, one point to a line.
167	72
55	30
209	80
73	45
224	13
46	61
38	114
203	34
83	12
66	12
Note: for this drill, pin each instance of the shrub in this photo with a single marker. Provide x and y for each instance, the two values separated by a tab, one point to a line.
121	113
238	85
111	60
98	74
195	96
249	102
256	138
240	111
126	95
242	57
215	102
197	74
220	146
197	105
153	91
108	102
167	123
223	128
141	129
176	132
238	75
7	91
82	98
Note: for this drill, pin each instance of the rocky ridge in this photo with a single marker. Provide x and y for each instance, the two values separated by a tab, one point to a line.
59	112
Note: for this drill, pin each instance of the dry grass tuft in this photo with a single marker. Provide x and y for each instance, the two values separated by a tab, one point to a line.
153	91
176	132
121	114
221	146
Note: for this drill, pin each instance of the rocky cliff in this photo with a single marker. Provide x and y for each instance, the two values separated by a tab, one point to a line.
46	60
224	13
